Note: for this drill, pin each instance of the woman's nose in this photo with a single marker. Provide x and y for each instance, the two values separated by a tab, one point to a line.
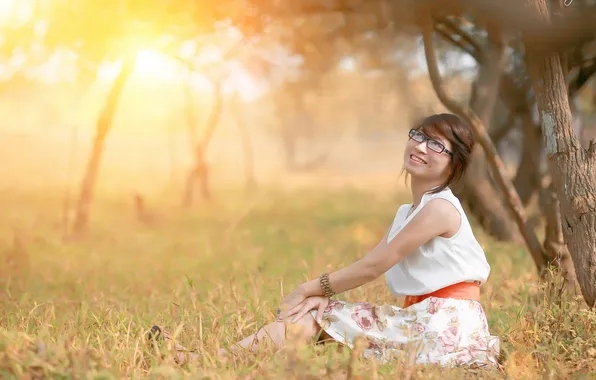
421	147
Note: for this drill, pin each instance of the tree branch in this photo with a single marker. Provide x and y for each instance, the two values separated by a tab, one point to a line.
215	114
498	133
514	17
583	76
534	246
450	38
511	15
479	51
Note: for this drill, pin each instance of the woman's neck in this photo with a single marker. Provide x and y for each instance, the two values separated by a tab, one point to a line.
419	188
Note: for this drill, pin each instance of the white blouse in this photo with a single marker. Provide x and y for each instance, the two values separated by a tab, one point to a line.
441	261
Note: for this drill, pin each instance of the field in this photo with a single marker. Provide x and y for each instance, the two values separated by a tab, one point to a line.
215	273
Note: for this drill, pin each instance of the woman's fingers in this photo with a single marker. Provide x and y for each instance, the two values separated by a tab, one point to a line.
293	300
295	309
306	307
320	311
301	313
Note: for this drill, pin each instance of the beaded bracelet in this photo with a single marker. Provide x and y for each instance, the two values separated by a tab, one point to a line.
325	287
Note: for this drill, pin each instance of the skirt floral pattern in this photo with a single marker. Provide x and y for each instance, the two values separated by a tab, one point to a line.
444	331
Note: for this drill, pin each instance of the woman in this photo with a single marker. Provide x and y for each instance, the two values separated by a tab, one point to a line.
429	254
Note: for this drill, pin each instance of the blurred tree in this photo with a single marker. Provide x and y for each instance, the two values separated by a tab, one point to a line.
112	30
313	38
320	36
104	123
216	74
238	112
200	168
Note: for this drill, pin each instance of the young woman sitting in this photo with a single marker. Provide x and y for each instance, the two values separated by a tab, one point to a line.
429	255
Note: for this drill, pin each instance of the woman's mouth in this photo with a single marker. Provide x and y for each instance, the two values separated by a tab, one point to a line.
417	159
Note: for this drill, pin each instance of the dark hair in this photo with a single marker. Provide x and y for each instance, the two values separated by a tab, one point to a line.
461	137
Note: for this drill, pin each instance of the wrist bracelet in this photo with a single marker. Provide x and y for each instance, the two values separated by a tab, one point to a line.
325	287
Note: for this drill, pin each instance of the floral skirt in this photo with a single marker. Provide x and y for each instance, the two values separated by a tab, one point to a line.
445	331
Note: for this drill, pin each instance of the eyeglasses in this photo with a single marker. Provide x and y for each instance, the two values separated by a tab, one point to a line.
433	145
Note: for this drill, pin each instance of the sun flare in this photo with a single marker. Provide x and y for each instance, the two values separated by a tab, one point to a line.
153	64
150	66
14	11
7	7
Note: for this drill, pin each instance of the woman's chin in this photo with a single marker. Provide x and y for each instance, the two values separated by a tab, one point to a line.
411	170
415	172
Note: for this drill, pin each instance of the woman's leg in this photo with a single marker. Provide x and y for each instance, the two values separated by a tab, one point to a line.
306	328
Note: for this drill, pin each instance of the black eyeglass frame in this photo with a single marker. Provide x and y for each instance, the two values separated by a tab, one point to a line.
428	139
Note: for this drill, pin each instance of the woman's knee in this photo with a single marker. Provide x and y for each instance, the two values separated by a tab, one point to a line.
276	332
306	326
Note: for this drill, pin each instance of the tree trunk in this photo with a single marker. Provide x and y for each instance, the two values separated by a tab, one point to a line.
499	132
482	198
288	139
104	124
249	171
483	138
554	243
572	167
200	169
484	201
296	123
528	178
67	206
594	93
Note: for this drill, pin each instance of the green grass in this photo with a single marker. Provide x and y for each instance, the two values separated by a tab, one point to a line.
81	309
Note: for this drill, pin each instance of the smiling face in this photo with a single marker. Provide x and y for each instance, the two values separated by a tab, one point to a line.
424	163
438	150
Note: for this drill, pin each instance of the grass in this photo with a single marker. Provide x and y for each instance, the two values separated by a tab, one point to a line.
215	273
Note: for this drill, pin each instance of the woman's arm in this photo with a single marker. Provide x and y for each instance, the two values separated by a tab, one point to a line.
438	217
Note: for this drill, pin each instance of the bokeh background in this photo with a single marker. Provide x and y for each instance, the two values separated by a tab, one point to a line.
249	147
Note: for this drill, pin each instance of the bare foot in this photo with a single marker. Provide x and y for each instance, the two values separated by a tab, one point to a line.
181	353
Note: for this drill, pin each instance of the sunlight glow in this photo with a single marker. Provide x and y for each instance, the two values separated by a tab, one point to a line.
15	11
108	71
154	65
150	66
6	9
155	68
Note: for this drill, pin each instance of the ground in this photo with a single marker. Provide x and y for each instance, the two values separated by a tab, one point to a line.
215	273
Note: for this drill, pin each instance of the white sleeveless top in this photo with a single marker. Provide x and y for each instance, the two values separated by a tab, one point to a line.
441	261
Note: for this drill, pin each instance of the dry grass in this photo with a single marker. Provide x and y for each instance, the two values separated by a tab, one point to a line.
81	309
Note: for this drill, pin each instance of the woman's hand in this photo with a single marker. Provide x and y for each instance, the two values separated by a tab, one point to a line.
317	302
294	299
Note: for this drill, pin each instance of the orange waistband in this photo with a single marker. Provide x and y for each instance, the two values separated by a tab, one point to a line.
461	291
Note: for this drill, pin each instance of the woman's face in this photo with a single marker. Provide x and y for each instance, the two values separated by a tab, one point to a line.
427	164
